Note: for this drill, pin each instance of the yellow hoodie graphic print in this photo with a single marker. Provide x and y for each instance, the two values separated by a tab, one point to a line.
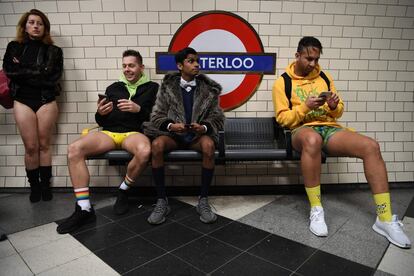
302	88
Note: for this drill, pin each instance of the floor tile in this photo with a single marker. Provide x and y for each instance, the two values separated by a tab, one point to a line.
166	265
193	221
322	263
382	273
239	235
55	253
138	223
171	236
22	214
14	265
34	237
408	226
129	254
276	218
357	242
247	264
6	249
207	254
230	207
286	253
410	209
103	237
180	210
84	266
397	261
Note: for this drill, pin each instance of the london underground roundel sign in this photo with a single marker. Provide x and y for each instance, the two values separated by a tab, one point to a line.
230	51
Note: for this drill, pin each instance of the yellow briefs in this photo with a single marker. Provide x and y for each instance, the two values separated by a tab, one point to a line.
118	137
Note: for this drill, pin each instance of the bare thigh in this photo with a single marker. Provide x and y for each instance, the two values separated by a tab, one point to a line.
46	119
26	121
348	143
92	144
306	137
165	142
137	142
204	141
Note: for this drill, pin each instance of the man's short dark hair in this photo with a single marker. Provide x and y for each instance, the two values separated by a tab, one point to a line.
133	53
309	41
181	55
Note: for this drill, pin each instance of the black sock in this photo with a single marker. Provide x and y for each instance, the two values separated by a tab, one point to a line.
45	174
159	179
206	177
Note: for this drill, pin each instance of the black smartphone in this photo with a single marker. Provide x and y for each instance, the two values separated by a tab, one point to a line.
325	94
188	126
102	96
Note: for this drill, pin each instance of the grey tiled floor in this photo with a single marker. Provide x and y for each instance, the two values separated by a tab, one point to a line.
34	247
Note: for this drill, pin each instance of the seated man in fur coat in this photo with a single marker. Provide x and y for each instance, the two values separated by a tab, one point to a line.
186	115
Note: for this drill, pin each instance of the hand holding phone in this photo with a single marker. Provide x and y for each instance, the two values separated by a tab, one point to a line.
326	95
102	96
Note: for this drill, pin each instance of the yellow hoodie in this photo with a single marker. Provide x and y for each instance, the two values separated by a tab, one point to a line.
302	87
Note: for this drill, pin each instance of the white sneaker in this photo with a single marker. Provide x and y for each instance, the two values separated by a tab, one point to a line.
317	222
392	231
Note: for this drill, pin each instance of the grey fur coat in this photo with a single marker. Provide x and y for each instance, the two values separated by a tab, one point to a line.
169	107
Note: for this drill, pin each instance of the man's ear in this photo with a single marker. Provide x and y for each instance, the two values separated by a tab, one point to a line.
179	66
297	54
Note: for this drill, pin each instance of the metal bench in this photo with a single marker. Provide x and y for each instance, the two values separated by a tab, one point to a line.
243	139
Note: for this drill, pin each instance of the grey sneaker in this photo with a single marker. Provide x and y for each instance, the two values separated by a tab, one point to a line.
161	210
204	210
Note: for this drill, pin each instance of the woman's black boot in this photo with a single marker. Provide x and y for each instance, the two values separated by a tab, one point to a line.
45	176
33	178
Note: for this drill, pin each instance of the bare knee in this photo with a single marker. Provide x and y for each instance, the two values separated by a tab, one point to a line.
143	152
157	148
75	152
44	147
370	147
32	149
312	143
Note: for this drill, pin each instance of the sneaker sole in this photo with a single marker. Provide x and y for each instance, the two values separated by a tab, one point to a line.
163	218
318	234
90	220
120	212
208	221
383	233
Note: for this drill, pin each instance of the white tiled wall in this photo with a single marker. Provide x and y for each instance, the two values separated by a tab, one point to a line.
368	48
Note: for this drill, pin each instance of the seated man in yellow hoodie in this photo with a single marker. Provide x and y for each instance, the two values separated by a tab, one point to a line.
300	106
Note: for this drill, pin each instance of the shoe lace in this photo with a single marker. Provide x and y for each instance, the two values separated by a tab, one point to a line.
159	207
316	216
205	207
397	225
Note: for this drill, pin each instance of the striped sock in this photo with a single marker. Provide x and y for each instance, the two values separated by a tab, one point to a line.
82	198
314	195
126	184
383	202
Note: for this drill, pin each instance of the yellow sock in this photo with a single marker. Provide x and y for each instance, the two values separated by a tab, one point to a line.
383	203
314	195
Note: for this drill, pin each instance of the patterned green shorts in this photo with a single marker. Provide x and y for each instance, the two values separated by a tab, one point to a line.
325	132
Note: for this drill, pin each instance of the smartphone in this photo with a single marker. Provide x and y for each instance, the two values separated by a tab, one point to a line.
102	96
325	95
188	126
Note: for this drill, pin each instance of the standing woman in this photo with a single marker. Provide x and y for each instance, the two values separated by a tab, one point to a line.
34	66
